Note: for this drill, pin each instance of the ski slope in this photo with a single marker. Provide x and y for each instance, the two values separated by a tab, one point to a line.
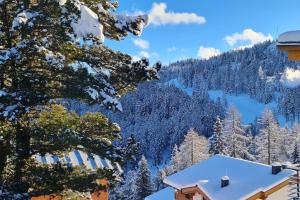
179	85
248	107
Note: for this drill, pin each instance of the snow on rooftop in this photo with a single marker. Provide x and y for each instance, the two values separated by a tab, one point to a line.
246	178
291	78
78	158
88	24
225	178
164	194
289	37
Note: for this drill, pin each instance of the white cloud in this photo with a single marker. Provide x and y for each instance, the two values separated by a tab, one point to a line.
159	16
171	49
143	44
142	54
291	77
249	36
208	52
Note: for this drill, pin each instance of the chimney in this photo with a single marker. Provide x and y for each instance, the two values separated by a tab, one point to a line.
224	181
286	165
276	168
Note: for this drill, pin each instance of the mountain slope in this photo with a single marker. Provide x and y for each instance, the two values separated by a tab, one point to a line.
160	112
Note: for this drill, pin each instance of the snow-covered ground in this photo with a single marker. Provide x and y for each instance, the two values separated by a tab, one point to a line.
179	85
248	107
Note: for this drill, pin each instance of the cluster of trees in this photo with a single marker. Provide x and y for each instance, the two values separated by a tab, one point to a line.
255	71
137	185
193	149
271	144
231	138
289	104
159	117
46	58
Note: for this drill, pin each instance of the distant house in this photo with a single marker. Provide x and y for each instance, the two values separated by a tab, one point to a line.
225	178
290	42
78	158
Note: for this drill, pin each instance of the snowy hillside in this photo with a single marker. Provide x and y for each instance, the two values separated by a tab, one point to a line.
249	108
190	94
179	85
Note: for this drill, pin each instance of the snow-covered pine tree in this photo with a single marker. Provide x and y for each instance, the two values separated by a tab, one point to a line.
193	149
296	131
236	139
158	180
126	189
132	150
268	140
175	160
296	154
286	144
296	150
216	141
143	184
54	50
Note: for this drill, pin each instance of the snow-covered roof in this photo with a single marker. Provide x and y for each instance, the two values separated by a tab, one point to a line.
79	158
164	194
290	38
246	178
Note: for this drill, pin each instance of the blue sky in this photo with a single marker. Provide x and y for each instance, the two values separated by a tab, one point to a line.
201	28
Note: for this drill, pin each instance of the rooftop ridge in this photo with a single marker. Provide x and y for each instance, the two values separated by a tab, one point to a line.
249	161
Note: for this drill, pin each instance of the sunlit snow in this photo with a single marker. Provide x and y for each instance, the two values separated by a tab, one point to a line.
291	77
88	24
23	18
248	107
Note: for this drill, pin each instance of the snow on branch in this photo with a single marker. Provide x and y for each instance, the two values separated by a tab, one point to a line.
2	93
51	57
124	21
107	100
88	25
6	54
24	18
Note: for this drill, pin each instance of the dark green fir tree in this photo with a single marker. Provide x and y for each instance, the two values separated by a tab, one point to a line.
51	51
296	154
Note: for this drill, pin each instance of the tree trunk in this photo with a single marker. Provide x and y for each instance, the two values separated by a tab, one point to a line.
269	147
2	157
22	154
